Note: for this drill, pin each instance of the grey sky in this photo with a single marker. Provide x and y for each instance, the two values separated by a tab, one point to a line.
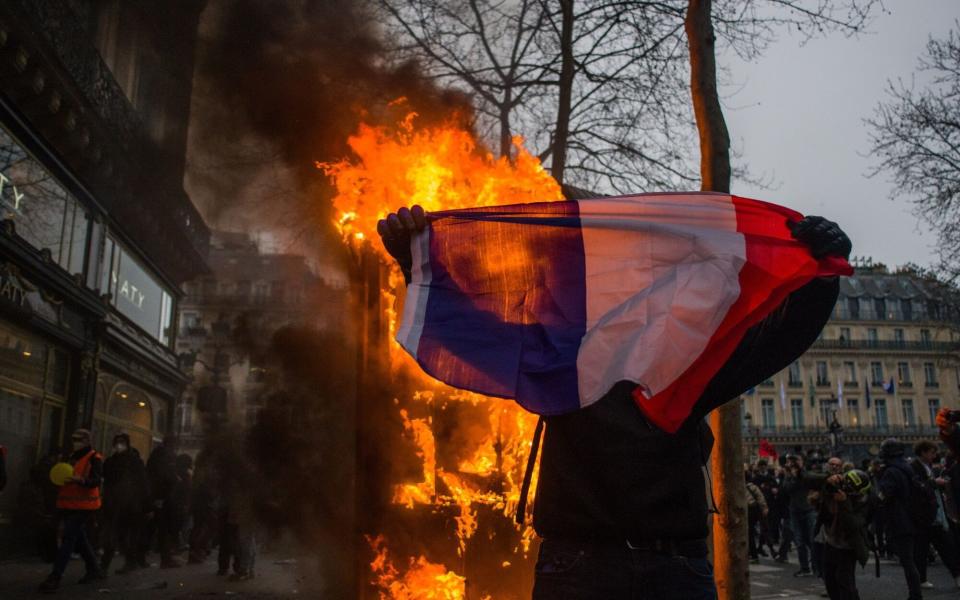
796	115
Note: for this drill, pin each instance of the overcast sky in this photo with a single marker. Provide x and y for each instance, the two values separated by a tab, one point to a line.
796	115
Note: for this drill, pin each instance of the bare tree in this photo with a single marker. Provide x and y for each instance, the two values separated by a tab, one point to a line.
915	135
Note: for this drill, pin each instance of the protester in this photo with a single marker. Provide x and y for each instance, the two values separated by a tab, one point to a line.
3	467
162	476
936	532
756	511
803	517
896	488
635	491
78	500
125	502
843	517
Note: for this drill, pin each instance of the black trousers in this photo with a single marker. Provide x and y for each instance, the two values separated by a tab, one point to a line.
121	531
839	573
905	547
942	541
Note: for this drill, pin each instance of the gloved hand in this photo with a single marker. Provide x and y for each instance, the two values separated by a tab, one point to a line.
395	232
825	238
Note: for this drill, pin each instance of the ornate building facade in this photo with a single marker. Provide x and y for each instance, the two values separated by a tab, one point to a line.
886	362
97	231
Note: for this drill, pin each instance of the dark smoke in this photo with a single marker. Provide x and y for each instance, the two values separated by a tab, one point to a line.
288	81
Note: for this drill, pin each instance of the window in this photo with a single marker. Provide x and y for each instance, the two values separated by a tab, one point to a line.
853	306
826	411
906	309
845	334
796	412
850	368
769	413
933	405
909	419
880	408
872	336
903	374
853	410
45	214
822	378
925	336
930	375
136	293
898	336
876	373
793	375
880	307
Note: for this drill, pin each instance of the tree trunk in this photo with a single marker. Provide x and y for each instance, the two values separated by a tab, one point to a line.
506	136
730	526
559	161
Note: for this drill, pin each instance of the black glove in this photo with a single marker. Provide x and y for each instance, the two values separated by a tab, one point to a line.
825	238
395	232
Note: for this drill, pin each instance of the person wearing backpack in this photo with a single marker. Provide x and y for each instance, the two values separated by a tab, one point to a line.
898	501
936	532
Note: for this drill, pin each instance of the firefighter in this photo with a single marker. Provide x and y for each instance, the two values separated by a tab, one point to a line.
78	500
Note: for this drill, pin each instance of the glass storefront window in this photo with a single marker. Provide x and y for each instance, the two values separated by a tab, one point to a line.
136	294
45	214
124	409
23	358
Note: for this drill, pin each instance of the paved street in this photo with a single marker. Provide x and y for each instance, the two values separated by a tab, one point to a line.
770	580
277	577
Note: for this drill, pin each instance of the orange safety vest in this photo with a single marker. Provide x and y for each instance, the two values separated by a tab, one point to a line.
73	496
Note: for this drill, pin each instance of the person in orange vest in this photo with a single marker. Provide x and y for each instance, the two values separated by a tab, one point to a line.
77	501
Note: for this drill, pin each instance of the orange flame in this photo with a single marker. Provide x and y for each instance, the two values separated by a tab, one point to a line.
439	168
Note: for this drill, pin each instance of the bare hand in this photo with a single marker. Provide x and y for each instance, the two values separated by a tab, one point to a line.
839	495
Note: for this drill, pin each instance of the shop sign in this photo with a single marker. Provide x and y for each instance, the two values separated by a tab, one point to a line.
13	289
9	194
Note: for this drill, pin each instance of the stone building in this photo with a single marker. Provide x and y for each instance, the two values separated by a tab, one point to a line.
227	319
886	362
97	232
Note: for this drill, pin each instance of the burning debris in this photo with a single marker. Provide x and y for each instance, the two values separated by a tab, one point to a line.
472	450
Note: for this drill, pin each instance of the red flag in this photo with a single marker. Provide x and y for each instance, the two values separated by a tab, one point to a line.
767	449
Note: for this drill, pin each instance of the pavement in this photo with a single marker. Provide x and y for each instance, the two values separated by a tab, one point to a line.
772	580
276	577
283	577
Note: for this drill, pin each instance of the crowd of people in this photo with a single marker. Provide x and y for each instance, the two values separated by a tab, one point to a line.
835	514
120	505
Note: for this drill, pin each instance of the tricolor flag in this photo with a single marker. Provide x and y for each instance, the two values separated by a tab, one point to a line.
839	394
888	387
866	389
553	303
783	397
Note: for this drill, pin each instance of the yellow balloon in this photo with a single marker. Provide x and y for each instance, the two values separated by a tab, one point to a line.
60	473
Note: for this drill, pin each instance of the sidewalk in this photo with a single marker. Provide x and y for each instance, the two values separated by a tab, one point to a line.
276	577
772	580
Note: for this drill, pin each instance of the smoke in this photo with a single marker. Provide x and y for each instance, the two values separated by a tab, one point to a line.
281	85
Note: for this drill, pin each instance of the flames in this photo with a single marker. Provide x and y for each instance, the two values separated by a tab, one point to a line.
440	168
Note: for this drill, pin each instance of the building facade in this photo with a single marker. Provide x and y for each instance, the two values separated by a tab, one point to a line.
227	318
886	362
96	231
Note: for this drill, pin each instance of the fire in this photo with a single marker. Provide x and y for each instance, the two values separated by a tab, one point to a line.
440	168
423	580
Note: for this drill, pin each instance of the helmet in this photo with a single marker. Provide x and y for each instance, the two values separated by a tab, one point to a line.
891	447
856	481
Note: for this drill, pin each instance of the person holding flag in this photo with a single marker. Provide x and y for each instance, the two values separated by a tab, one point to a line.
620	502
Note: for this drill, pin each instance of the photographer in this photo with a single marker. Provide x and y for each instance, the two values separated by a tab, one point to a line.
842	521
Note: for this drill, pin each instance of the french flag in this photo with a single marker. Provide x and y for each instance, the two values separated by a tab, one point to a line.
552	303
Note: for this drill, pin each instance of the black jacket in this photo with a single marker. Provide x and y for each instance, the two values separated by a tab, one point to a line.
894	487
606	473
125	487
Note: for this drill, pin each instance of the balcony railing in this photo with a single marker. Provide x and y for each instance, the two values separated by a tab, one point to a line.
891	345
889	430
